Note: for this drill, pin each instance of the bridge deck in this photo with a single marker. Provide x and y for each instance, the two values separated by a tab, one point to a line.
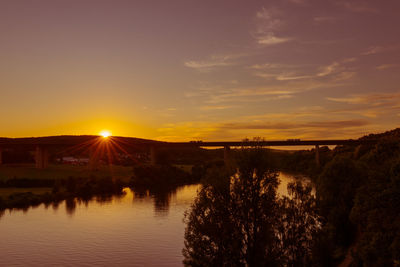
65	141
271	143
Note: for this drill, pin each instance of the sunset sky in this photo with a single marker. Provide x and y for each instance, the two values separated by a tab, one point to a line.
200	70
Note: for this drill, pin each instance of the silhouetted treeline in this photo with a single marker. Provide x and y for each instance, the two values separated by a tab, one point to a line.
17	156
187	155
358	189
237	218
359	199
302	161
160	176
73	187
26	182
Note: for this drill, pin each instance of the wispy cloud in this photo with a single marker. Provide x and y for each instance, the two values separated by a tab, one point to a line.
379	106
295	125
249	95
387	66
358	6
268	23
268	66
263	93
215	107
271	39
373	50
272	130
292	76
338	71
211	63
327	70
368	99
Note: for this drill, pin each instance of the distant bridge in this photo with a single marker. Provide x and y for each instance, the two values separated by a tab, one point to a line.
41	145
262	143
294	142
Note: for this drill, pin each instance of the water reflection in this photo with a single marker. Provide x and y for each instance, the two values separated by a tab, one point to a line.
161	199
70	206
241	220
139	228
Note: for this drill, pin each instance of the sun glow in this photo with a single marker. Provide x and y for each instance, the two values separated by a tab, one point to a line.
105	133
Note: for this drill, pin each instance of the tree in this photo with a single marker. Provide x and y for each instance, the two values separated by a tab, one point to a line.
238	220
299	224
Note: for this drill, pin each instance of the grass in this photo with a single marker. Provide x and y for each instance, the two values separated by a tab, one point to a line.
185	168
62	171
5	192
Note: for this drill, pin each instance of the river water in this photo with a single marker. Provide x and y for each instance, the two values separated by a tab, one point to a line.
132	230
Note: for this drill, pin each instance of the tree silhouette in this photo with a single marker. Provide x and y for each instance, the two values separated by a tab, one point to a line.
238	220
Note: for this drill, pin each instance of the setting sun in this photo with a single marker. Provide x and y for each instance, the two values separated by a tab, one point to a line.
105	133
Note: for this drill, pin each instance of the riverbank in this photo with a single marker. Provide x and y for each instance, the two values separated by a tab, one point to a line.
62	171
30	187
72	187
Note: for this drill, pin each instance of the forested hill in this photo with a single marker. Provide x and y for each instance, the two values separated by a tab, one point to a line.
386	135
358	192
304	161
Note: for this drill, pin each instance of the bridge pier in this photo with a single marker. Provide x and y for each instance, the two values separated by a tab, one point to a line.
153	156
1	156
41	157
93	160
317	155
227	152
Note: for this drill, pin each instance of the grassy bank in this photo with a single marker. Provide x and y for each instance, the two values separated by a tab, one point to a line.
62	171
6	192
73	187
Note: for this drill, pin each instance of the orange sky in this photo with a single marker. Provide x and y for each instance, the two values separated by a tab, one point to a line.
199	70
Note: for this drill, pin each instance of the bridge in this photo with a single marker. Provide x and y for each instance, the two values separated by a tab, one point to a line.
42	145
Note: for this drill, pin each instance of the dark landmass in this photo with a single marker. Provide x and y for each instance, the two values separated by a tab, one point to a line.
73	187
239	221
357	195
358	189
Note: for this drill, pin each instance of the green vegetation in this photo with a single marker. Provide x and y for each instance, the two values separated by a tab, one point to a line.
83	188
302	161
160	176
22	185
5	192
358	194
62	171
358	189
187	155
237	220
240	221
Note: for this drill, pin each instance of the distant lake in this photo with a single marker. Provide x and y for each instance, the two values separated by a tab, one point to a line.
137	229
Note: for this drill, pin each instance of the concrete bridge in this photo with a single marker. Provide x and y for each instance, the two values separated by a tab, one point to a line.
291	142
43	145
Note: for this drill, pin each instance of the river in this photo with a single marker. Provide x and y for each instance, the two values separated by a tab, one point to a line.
132	230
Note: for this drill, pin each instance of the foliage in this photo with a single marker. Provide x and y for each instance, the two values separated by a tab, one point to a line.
146	176
302	161
299	224
377	212
358	197
187	155
84	188
238	220
336	188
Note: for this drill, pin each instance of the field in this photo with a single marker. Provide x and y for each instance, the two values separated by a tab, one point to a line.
62	171
5	192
